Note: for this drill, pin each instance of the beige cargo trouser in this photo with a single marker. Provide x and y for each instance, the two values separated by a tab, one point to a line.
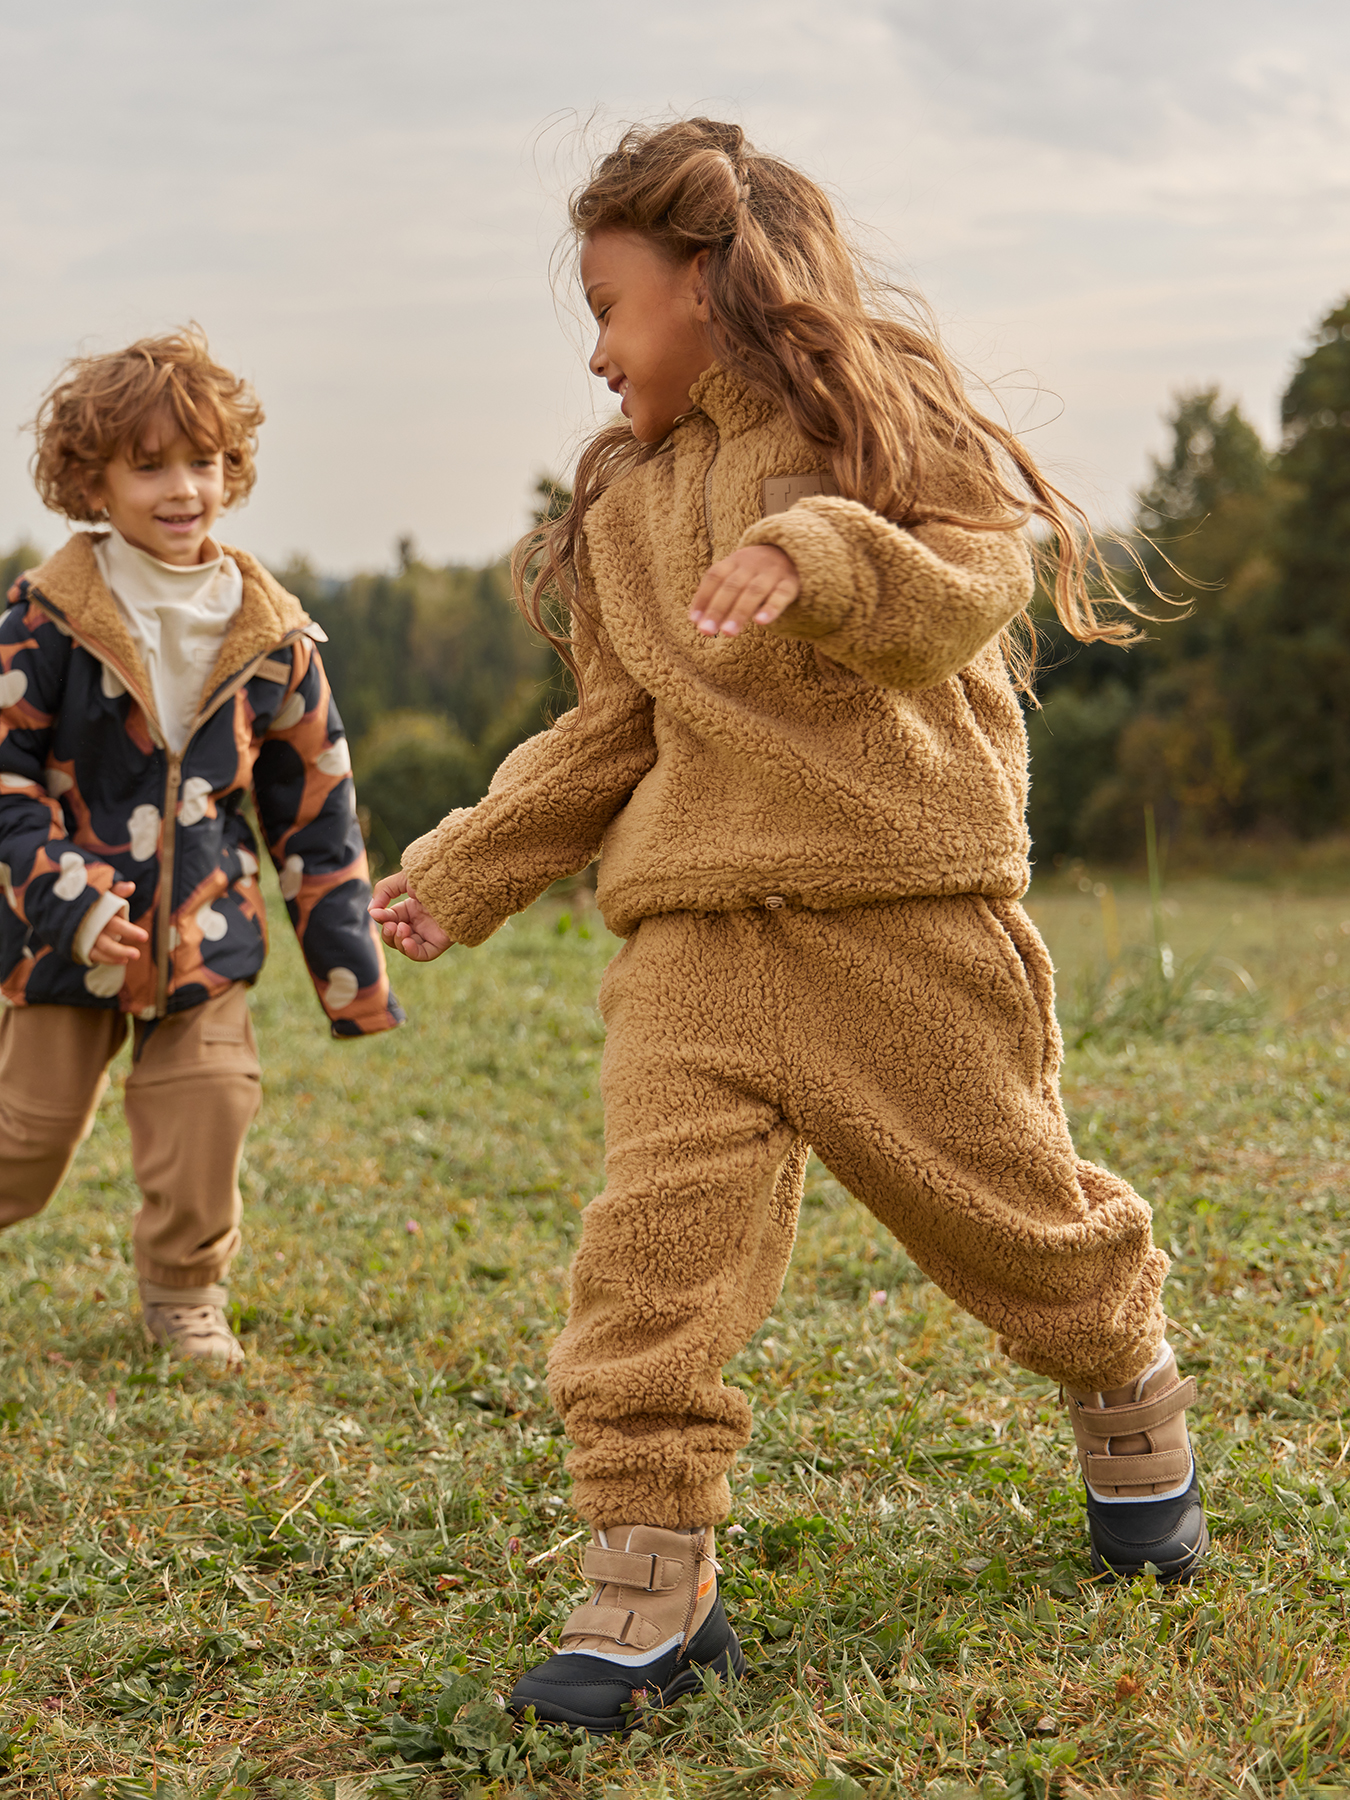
913	1044
192	1092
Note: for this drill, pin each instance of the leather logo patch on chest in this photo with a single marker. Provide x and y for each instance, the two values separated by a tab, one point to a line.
783	491
273	670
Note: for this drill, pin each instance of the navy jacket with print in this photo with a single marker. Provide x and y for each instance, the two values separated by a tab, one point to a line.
89	796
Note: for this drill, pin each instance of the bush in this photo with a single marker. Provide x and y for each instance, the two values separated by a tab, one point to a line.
411	770
1073	740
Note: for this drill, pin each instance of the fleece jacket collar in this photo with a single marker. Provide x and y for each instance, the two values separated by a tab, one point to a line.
728	399
70	587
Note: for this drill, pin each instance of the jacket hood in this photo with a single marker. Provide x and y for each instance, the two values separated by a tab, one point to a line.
70	586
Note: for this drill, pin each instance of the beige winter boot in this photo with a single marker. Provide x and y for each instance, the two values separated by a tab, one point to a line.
653	1622
1143	1493
190	1323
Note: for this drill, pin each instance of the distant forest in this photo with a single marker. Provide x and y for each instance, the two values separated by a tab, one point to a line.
1234	720
437	677
1231	718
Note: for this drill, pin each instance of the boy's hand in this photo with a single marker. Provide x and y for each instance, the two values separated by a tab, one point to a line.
755	584
117	941
406	924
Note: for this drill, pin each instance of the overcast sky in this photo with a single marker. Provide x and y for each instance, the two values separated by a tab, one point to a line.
1104	200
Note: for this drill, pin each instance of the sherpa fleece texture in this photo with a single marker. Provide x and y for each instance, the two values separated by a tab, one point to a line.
867	746
913	1044
87	789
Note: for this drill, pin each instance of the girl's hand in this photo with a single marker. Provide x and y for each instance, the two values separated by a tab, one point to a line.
406	924
755	584
118	940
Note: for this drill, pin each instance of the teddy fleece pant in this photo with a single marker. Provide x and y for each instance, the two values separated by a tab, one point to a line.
192	1092
913	1045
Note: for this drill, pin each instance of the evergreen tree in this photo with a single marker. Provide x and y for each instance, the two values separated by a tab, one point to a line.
1154	724
1295	687
444	641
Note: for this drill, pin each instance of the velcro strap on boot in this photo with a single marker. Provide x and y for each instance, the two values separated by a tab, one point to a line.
628	1568
1141	1415
1149	1470
613	1622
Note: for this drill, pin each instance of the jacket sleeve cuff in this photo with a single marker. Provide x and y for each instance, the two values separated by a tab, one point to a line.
824	568
421	851
106	907
430	879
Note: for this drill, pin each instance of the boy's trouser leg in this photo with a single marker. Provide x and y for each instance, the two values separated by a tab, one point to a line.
914	1044
193	1091
53	1062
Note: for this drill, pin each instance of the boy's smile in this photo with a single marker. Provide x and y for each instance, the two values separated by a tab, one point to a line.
165	498
653	340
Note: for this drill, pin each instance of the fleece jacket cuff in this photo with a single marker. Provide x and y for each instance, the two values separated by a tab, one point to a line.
824	568
429	863
106	907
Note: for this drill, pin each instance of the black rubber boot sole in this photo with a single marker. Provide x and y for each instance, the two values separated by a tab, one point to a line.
598	1695
1170	1534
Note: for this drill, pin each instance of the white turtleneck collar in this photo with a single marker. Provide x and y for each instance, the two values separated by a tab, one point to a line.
177	617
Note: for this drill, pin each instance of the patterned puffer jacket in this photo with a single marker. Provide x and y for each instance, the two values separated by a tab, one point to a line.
89	796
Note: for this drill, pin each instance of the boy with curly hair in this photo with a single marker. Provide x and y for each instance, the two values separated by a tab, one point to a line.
150	681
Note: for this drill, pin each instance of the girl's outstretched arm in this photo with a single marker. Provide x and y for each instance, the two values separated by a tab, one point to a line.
542	818
905	607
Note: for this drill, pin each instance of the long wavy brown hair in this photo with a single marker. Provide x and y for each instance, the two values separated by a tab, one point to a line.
854	362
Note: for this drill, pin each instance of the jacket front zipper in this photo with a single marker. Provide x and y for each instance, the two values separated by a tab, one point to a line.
172	783
173	780
707	495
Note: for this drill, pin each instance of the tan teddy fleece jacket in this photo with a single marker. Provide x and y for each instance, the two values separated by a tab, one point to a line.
867	747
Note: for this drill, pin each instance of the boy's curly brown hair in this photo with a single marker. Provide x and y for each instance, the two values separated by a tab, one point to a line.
100	405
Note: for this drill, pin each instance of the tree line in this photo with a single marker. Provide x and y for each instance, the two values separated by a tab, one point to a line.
1231	718
436	675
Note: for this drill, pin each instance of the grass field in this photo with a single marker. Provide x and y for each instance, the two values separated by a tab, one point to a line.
283	1583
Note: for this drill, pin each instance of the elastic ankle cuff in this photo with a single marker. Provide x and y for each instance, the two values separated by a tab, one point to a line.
606	1503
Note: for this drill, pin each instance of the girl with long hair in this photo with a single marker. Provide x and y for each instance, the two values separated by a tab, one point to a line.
789	587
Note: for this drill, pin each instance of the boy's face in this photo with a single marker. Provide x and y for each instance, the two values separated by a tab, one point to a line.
166	498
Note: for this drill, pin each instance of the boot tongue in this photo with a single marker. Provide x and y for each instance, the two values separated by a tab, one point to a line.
1156	1380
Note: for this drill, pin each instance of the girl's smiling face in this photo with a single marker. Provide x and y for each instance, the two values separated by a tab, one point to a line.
653	340
166	497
